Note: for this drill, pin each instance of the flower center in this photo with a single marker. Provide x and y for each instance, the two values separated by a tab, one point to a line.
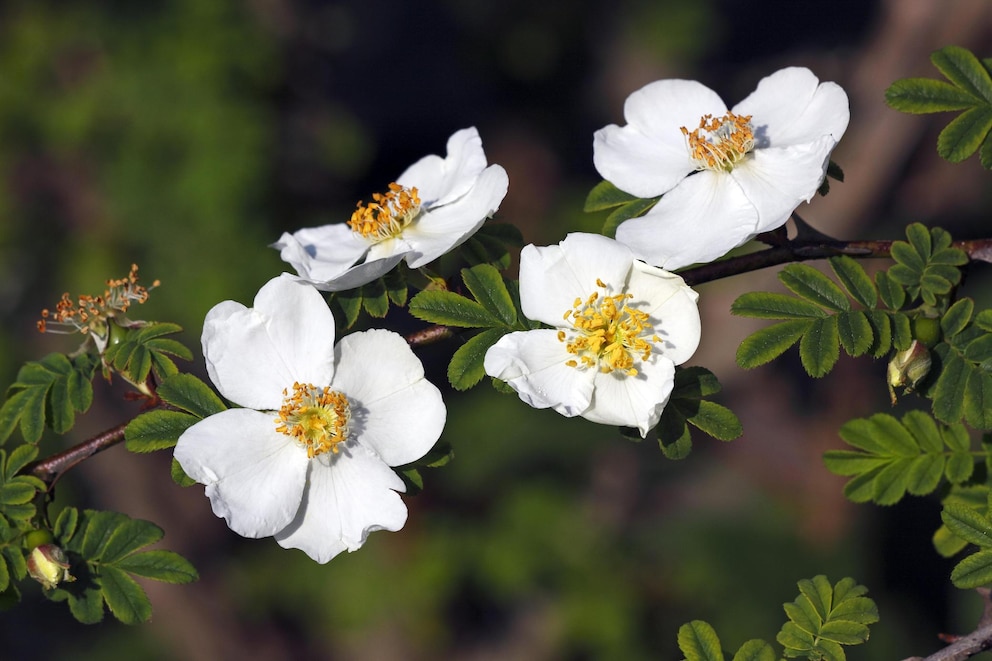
316	418
608	333
720	143
387	214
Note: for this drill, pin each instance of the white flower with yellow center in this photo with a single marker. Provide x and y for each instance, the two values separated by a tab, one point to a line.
725	176
308	460
619	328
433	207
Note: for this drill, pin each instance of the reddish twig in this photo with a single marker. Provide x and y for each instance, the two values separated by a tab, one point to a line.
802	250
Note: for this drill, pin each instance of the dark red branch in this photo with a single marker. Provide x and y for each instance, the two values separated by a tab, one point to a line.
800	251
50	469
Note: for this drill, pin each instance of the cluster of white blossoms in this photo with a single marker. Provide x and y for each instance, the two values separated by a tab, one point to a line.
308	459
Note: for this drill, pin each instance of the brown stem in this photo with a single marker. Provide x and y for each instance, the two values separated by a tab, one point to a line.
803	250
50	469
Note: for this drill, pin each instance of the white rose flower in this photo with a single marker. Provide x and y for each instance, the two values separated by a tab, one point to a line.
308	460
619	328
725	176
433	207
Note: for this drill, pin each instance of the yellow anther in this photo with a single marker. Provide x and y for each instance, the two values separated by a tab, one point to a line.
316	418
608	333
387	214
720	143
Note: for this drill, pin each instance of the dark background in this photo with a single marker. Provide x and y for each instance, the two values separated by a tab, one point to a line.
186	135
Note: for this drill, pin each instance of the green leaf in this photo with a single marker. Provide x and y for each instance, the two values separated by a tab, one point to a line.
129	535
179	476
85	602
963	69
694	382
488	288
950	390
823	618
699	642
855	332
985	152
466	368
125	598
902	331
978	400
967	524
65	525
767	305
890	291
893	456
630	210
819	347
674	438
769	343
605	195
926	95
156	430
854	278
165	566
974	571
881	326
189	393
451	309
396	288
809	283
350	304
964	134
375	298
755	650
96	529
716	420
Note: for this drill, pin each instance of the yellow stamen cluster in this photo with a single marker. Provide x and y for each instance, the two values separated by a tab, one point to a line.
720	143
316	418
387	214
89	314
609	333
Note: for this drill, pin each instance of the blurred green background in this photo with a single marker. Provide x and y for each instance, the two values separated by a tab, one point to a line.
186	135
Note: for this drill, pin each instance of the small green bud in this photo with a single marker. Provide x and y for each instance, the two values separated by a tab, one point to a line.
49	565
36	538
907	368
926	330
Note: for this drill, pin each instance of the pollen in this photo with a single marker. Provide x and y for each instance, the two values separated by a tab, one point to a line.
315	418
89	314
608	334
387	215
720	143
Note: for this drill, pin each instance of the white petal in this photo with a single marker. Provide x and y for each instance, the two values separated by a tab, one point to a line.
395	411
777	180
649	156
321	254
552	277
333	258
252	354
633	401
350	494
700	220
672	307
791	107
445	227
533	363
254	475
442	180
